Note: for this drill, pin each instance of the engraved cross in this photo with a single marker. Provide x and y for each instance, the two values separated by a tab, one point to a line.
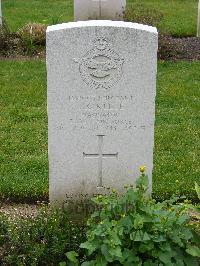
100	155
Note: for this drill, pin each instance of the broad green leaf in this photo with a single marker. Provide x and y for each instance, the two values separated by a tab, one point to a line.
128	257
115	252
160	238
125	254
146	237
180	262
91	247
190	261
165	247
182	219
126	223
187	233
115	238
72	256
105	252
132	235
146	218
138	222
166	258
100	261
144	247
138	236
194	251
98	231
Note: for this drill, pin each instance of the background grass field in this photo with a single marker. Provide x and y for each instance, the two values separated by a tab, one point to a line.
23	133
178	17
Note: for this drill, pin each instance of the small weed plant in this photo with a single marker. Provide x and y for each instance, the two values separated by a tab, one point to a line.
32	35
134	229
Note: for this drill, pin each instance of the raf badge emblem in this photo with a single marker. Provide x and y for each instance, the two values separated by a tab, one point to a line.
101	67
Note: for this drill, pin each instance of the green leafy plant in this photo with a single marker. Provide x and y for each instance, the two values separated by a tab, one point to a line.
132	229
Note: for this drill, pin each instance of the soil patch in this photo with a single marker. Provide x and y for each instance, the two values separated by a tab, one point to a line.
20	210
179	48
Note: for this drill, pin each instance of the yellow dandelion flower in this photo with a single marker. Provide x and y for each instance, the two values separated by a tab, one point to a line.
142	168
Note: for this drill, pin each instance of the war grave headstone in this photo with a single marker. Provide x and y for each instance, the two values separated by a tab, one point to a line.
101	105
99	9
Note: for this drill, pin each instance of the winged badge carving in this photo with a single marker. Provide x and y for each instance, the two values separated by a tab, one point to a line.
101	67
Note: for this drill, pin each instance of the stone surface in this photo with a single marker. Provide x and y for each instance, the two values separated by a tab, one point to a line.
99	9
101	104
198	21
1	19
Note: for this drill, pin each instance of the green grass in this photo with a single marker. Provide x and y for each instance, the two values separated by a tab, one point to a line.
18	13
179	17
177	132
23	133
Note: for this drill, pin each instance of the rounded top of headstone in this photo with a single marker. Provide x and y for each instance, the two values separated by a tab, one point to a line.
101	23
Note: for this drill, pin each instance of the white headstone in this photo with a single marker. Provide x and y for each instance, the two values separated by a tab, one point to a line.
198	21
99	9
1	19
101	105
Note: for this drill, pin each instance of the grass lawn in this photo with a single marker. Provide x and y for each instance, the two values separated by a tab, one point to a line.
178	17
23	133
177	144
